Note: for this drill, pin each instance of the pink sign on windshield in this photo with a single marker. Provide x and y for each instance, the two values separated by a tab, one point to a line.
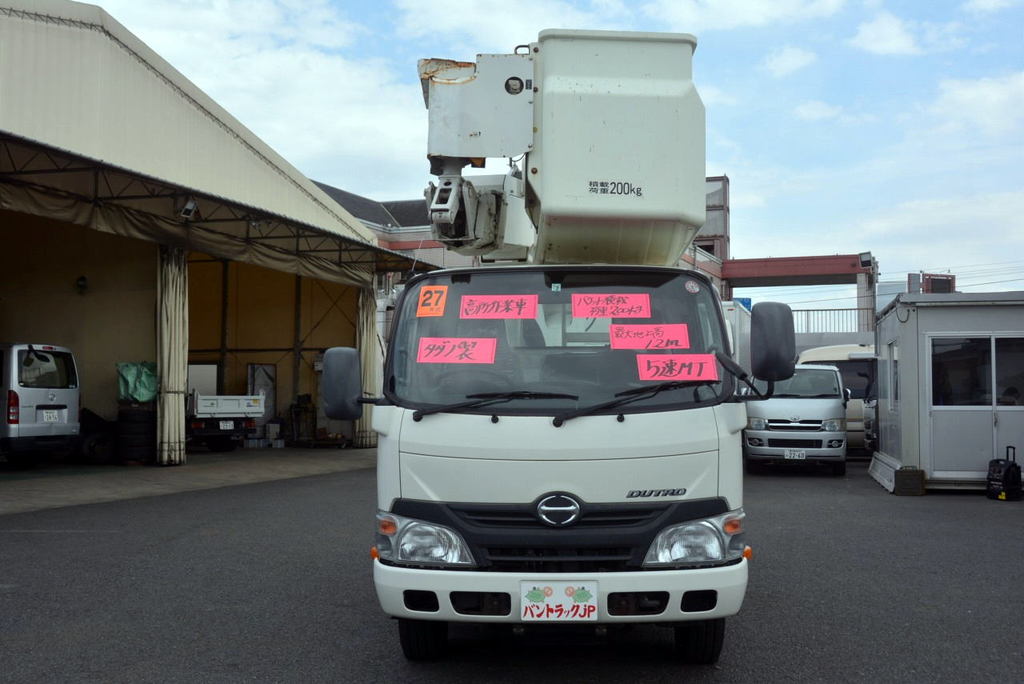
667	336
666	367
498	306
457	350
611	305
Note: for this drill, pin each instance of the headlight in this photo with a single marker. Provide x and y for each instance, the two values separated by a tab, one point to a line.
834	425
757	423
699	542
414	542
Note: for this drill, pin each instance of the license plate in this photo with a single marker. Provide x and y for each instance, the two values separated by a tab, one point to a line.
227	425
51	416
558	601
797	454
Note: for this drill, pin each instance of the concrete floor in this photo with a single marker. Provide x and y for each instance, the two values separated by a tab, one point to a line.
58	485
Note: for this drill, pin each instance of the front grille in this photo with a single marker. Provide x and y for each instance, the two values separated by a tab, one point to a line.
795	443
525	516
516	559
608	537
794	425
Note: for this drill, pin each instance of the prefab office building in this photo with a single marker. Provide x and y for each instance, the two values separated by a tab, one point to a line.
950	384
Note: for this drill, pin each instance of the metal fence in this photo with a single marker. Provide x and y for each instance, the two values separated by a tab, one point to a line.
833	320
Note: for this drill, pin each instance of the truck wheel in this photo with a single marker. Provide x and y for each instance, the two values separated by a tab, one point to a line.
700	642
221	444
423	639
839	469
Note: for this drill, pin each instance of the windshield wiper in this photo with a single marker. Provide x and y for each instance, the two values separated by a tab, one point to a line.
629	396
488	398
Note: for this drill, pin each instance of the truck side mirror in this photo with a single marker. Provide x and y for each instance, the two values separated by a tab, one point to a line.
341	384
772	342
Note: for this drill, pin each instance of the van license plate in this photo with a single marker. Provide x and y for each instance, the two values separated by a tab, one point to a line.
796	454
50	416
558	601
227	425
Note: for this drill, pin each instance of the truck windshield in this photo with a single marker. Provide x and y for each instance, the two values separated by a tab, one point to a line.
806	383
552	340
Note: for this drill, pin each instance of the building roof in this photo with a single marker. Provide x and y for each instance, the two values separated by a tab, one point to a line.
397	213
132	134
409	213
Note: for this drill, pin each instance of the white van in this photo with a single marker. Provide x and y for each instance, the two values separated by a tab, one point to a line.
803	421
858	365
41	401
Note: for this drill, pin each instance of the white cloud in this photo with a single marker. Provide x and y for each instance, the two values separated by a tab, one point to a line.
280	67
991	106
930	233
787	60
886	34
815	110
707	15
983	6
469	28
713	96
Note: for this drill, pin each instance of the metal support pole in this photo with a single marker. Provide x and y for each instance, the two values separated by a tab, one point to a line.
297	340
224	272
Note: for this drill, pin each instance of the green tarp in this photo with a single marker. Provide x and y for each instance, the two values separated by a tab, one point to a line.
137	381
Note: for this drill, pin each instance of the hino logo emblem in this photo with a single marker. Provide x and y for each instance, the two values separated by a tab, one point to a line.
558	510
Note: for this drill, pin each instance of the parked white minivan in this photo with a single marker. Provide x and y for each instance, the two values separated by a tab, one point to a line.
805	420
41	401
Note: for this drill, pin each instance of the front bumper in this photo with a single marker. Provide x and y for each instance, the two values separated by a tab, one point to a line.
775	443
730	583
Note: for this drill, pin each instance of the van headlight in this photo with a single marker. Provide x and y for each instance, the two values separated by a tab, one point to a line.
405	541
757	423
834	425
714	541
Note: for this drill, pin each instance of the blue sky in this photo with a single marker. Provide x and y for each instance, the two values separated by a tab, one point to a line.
843	125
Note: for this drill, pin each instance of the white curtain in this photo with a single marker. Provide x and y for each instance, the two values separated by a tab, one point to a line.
370	354
172	354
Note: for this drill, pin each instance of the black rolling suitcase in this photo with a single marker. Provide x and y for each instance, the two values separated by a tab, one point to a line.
1004	477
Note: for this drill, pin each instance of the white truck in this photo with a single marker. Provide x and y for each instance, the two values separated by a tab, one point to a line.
222	421
559	431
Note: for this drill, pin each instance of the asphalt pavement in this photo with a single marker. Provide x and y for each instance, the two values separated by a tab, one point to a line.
270	582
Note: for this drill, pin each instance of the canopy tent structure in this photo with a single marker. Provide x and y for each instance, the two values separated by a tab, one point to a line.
98	131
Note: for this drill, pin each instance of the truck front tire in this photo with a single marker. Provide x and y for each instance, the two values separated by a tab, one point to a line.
700	642
423	639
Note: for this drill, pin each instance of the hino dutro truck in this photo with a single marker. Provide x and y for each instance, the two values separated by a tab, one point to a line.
559	427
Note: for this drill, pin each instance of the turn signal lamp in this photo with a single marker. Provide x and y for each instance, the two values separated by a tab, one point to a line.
387	526
748	552
733	526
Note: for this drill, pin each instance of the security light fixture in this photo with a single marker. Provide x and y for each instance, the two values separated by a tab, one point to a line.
189	209
865	259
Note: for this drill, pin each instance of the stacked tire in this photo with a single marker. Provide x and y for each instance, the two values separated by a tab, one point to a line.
136	435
